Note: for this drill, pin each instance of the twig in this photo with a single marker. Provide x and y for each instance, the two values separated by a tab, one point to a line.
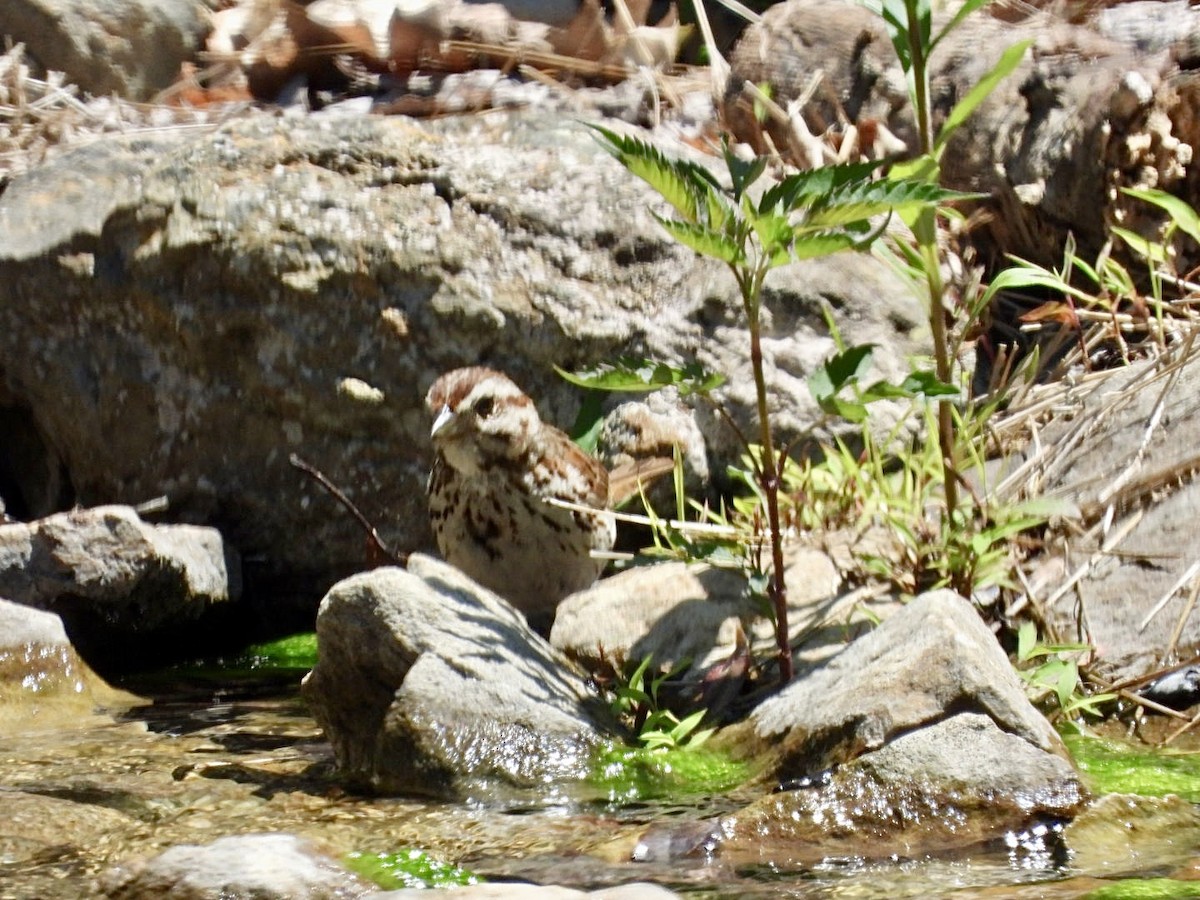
1112	541
1182	729
1183	617
400	559
1187	576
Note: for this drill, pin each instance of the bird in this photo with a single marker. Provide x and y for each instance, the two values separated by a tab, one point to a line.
497	468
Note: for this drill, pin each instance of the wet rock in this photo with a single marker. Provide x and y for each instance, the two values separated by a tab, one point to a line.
677	611
1122	834
917	738
932	659
957	783
35	826
426	682
43	682
114	579
133	48
263	866
192	329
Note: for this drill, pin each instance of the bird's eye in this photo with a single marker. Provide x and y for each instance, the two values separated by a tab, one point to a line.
484	407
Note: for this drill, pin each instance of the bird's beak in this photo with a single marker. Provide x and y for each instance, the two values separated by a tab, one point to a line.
440	421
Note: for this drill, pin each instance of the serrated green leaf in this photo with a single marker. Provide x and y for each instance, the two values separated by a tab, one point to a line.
792	192
927	384
688	187
742	173
863	200
849	366
850	410
1008	61
1182	214
774	231
637	375
823	243
884	390
704	240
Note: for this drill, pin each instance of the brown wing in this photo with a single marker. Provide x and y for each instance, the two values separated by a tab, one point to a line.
628	478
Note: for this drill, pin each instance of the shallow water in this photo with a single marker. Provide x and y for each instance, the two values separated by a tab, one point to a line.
200	763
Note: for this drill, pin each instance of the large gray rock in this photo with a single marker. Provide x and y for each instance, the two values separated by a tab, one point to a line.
1124	450
183	312
262	866
115	579
933	658
425	682
915	739
959	782
131	48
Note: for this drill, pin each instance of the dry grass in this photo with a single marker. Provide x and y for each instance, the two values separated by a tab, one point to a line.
39	117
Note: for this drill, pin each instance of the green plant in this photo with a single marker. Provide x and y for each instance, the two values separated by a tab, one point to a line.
658	728
1105	292
1052	671
909	24
804	215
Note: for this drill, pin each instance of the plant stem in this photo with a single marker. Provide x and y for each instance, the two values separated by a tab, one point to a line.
926	233
941	361
768	473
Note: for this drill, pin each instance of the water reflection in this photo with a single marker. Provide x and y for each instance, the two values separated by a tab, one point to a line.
198	763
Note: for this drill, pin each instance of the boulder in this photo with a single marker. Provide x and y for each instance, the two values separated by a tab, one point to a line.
426	682
119	583
917	738
183	311
1123	455
957	783
933	658
131	48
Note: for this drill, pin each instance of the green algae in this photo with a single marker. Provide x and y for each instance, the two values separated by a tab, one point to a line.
407	869
1111	766
1146	889
629	774
296	651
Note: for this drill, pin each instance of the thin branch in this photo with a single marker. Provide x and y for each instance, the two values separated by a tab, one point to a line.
400	559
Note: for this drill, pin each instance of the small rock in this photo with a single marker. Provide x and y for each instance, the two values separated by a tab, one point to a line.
676	611
262	866
113	578
425	681
35	827
1127	835
655	427
43	682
